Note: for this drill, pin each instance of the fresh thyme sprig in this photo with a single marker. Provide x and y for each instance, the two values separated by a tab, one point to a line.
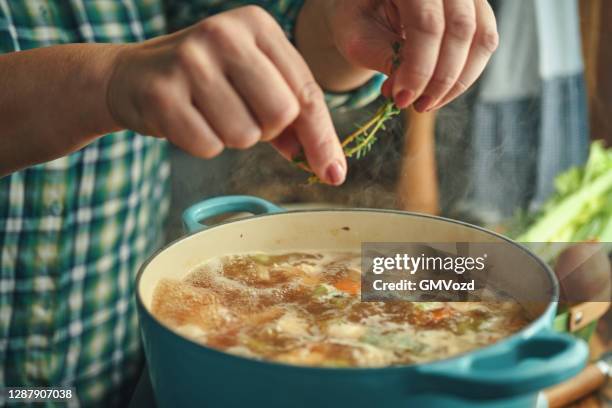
359	143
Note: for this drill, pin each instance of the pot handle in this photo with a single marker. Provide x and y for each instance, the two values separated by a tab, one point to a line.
523	367
212	207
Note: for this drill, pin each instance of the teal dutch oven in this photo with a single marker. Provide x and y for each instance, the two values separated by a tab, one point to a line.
509	373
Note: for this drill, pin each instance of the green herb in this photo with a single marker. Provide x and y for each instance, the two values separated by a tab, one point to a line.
359	143
427	306
261	259
320	290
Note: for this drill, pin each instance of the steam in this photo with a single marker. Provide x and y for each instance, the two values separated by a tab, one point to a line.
370	183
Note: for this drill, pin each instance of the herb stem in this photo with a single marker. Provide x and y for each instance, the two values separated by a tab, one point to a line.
378	122
365	136
364	127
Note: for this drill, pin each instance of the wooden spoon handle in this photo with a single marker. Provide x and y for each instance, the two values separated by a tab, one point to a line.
590	379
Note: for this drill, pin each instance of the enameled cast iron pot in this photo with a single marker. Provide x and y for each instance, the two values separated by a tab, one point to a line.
186	374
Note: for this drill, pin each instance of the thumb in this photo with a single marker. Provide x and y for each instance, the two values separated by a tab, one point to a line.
368	40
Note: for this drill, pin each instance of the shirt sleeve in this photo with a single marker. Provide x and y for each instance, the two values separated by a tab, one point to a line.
182	13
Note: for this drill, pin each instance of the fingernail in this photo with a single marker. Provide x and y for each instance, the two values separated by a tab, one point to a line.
335	174
423	103
403	98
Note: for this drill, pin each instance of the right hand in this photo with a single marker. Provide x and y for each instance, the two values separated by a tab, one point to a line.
445	45
231	80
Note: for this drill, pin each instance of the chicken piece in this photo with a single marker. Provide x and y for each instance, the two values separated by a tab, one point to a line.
346	330
292	325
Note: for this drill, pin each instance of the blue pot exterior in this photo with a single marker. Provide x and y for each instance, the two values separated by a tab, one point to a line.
185	374
507	374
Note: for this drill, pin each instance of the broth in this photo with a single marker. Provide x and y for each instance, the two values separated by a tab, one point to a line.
304	309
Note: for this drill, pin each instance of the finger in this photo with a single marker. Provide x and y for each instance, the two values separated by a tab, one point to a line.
228	115
314	128
219	102
184	126
265	92
387	87
423	22
484	44
460	20
287	144
196	137
316	133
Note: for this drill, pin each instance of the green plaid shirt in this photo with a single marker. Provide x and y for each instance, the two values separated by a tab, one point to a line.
74	231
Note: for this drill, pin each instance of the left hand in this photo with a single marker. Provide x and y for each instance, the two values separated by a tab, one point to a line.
445	44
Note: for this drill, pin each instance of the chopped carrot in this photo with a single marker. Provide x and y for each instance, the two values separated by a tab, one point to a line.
441	314
349	286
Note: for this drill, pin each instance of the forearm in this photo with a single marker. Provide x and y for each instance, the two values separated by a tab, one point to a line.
53	102
315	42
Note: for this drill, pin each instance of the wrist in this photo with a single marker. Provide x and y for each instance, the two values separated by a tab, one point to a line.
116	58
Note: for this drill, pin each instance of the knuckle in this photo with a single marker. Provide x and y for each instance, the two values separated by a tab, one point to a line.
185	52
244	139
311	97
430	21
461	26
322	142
209	152
203	144
280	117
190	60
418	74
443	81
489	40
218	32
460	86
156	94
320	148
211	26
258	14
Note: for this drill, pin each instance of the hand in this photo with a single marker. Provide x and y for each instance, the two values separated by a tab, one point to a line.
231	80
445	44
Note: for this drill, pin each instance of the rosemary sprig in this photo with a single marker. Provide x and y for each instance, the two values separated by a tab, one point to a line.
359	143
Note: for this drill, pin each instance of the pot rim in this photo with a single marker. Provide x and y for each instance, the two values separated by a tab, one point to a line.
528	330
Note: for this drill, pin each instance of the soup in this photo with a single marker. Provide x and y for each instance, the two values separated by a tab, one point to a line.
305	309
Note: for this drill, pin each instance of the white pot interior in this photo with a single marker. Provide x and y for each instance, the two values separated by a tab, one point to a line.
334	230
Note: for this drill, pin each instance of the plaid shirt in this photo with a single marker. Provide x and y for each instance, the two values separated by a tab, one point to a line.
74	231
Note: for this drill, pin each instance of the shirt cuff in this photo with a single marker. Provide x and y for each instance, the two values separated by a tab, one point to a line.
356	98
